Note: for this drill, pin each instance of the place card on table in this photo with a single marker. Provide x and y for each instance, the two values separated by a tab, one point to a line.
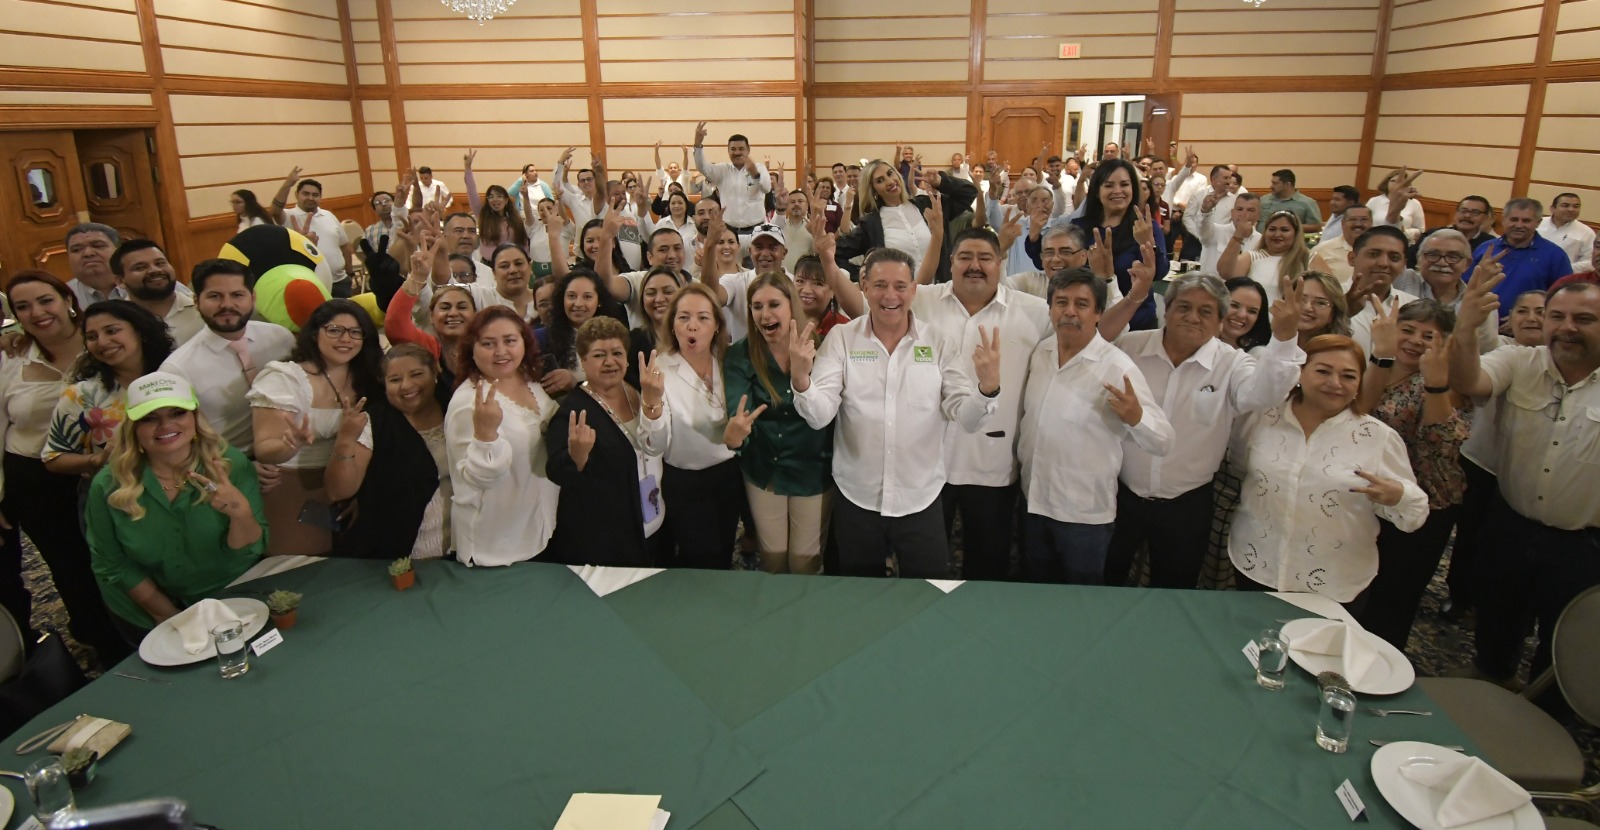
267	642
1252	652
1350	801
610	811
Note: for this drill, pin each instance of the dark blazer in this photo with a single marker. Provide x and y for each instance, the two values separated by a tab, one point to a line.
401	479
957	194
599	520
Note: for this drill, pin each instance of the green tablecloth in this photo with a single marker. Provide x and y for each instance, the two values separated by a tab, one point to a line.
487	696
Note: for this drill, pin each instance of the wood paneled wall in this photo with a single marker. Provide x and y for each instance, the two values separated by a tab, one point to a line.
1492	96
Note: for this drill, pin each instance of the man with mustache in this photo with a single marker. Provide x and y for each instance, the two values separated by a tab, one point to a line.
1441	261
145	274
1474	219
89	248
1540	542
742	183
1332	254
1529	261
1084	399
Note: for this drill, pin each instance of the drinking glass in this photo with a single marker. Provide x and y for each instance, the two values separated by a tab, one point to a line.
232	656
1272	659
51	792
1337	714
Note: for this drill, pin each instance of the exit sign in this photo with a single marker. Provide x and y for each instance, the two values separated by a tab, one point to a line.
1070	51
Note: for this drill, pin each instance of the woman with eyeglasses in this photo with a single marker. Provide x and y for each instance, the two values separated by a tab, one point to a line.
1283	254
1322	307
335	371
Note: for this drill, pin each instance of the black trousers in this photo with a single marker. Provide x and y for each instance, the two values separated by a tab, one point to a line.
866	538
45	506
1483	489
703	508
1177	531
988	524
1530	571
1406	563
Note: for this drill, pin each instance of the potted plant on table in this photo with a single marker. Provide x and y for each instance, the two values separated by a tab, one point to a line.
284	607
79	764
401	574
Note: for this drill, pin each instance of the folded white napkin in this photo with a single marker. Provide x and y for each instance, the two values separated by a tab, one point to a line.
1342	640
1473	790
194	623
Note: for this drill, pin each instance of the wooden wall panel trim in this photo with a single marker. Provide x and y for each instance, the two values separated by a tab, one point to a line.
1369	122
1166	13
67	117
358	118
591	73
1531	119
172	202
253	87
84	80
391	74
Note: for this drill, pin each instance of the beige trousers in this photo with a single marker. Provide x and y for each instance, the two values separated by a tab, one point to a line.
790	530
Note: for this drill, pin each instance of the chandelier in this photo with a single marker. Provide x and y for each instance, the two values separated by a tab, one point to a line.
1256	3
479	10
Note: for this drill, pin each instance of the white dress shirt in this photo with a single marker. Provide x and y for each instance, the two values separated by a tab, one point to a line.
1411	216
1298	526
183	319
1361	322
1549	437
1201	397
1335	254
1037	283
27	406
1214	238
208	363
434	192
502	507
1575	238
330	236
892	411
743	195
1071	442
697	415
734	313
987	458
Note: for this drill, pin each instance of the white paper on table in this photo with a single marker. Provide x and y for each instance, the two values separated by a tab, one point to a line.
605	580
660	822
1316	604
610	811
273	565
947	585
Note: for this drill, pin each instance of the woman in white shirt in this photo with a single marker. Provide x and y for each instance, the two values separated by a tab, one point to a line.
503	507
1283	255
248	211
1411	216
891	218
297	405
680	217
702	480
36	501
1317	477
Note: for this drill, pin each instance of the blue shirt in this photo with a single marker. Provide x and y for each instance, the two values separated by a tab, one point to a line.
1145	318
1534	268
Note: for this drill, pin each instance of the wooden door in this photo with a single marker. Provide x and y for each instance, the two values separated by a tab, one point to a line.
1160	125
41	198
1016	128
119	181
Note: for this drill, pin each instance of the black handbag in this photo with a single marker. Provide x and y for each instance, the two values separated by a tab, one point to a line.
49	677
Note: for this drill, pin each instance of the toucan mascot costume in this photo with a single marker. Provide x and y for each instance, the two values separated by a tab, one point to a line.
291	278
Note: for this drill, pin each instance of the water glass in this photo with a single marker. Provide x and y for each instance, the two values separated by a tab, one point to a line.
1272	659
50	789
232	655
1337	714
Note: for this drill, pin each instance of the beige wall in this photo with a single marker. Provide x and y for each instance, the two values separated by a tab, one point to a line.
1465	138
696	40
1226	38
1568	154
1023	39
292	40
227	143
1316	134
507	133
533	43
935	126
892	40
1435	35
50	35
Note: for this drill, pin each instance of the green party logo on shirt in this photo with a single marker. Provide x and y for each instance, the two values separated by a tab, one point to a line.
923	354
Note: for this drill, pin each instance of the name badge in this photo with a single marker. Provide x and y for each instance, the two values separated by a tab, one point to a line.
922	354
650	498
863	355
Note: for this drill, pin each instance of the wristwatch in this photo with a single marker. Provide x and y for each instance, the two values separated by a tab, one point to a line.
1381	362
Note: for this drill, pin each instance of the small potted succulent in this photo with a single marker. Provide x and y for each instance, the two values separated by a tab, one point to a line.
401	574
284	607
79	764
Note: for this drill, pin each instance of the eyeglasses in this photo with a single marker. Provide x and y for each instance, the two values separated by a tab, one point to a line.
1553	409
337	332
1071	251
1471	211
1435	256
1316	302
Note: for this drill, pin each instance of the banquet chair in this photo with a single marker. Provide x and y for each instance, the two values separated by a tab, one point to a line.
1522	741
11	647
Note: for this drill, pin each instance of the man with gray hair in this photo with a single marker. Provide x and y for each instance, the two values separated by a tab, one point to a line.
1061	248
1441	260
1037	204
89	249
1529	261
1202	385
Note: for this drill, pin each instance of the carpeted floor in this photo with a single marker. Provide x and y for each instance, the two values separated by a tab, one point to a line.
1437	645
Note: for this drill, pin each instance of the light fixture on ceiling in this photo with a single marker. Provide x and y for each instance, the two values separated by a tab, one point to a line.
1256	3
479	10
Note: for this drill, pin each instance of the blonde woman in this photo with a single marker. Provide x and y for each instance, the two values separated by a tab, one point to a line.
891	218
176	514
1282	256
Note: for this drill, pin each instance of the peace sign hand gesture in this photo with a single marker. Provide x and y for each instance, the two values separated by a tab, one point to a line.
1141	274
1286	310
1124	402
1480	300
935	213
486	413
225	498
741	424
296	434
1435	364
352	419
466	160
1101	260
700	134
1190	159
1143	231
1384	491
1010	229
986	360
802	350
1385	327
580	438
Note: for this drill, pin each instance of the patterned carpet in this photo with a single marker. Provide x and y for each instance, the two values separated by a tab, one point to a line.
1437	645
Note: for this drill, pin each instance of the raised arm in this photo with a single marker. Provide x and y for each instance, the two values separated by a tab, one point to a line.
846	293
603	265
474	201
1142	276
1466	371
281	201
929	267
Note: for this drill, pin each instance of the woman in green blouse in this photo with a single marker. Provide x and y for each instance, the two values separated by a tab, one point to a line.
175	515
786	463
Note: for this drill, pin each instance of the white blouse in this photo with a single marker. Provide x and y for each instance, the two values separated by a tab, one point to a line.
285	385
503	509
1298	527
27	406
904	229
698	415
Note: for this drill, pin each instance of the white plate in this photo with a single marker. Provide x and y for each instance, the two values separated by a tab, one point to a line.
1390	674
8	802
163	647
1418	804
